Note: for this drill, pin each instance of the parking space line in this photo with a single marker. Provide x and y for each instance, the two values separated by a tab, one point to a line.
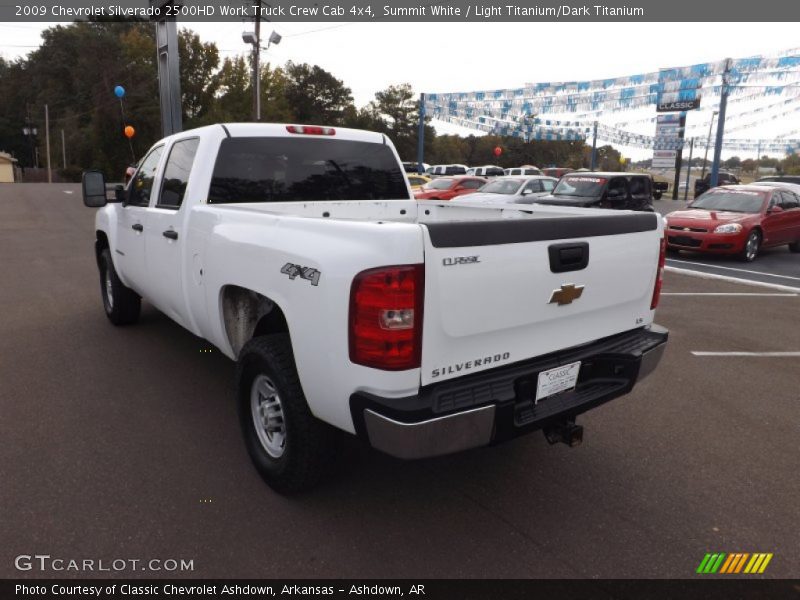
759	294
699	264
759	354
704	275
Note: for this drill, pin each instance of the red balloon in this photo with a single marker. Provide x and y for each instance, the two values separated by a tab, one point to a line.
129	131
498	151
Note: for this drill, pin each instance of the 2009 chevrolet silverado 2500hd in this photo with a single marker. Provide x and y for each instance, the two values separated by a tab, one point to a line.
423	328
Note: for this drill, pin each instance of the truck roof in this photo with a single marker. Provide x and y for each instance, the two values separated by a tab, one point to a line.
281	130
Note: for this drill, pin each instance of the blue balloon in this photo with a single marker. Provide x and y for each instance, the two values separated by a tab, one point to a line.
119	91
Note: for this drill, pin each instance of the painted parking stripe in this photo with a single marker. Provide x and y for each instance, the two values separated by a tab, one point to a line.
758	294
762	273
764	354
704	275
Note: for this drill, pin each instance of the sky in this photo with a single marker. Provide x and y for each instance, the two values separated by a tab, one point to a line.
453	57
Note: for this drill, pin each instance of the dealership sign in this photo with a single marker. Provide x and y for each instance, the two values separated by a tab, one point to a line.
678	106
669	133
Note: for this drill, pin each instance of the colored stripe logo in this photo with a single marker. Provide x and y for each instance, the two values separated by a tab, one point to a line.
734	563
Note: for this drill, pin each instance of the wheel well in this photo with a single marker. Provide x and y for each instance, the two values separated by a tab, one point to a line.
100	244
248	314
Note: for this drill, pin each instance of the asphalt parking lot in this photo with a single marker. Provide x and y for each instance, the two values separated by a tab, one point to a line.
124	443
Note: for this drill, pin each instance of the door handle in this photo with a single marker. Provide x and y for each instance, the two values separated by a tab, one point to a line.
170	234
137	227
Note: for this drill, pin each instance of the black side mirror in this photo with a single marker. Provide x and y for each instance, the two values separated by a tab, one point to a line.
93	184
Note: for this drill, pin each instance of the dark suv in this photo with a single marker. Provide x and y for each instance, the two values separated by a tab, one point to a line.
624	191
701	186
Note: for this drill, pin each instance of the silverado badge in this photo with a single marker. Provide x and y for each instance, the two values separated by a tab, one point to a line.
567	293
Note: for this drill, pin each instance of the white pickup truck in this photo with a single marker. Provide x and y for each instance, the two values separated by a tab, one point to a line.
422	327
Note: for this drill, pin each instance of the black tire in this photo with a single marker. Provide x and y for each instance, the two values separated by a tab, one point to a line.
795	247
751	246
121	304
307	445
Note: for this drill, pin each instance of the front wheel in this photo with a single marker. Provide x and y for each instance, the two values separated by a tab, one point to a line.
289	447
121	304
751	247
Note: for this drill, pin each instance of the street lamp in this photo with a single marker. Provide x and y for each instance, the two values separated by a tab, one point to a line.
254	39
708	143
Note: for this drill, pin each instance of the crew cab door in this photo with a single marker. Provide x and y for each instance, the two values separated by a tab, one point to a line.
165	233
129	255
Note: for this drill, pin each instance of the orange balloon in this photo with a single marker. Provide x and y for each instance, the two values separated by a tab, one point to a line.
129	131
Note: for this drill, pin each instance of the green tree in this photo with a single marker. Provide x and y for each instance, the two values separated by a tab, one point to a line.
315	96
198	64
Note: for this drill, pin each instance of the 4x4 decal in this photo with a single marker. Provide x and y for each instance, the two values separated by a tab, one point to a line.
308	273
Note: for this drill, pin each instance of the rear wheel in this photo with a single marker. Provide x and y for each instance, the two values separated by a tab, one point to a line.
289	447
122	304
751	246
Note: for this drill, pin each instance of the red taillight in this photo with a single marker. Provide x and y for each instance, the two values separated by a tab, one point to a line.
310	130
386	317
662	257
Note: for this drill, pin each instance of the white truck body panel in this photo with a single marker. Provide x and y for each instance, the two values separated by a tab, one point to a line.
497	306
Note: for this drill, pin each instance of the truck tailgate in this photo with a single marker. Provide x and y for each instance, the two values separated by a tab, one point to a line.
502	291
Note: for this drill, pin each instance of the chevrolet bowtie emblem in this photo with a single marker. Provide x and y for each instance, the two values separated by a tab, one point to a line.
566	294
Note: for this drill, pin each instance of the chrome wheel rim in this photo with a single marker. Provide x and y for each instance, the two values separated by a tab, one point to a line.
109	290
267	413
752	247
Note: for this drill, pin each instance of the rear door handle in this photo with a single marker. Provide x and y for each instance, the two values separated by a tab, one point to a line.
137	227
169	233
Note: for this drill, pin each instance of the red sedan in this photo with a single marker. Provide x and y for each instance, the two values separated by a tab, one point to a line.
447	188
737	219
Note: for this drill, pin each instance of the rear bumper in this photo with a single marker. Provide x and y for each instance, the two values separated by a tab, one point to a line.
499	404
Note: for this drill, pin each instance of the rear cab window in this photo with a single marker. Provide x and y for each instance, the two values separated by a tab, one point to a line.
280	169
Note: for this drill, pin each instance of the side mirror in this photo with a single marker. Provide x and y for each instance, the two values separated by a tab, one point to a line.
93	184
527	192
774	210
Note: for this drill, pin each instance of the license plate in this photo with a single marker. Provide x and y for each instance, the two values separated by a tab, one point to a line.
557	380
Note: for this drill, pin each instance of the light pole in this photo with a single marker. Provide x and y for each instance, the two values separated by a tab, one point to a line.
708	143
254	39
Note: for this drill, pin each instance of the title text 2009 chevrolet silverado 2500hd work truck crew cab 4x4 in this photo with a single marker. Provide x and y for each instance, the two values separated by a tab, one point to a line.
421	327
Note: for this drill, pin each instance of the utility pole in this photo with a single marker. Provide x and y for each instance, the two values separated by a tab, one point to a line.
679	158
758	157
708	143
256	65
688	170
594	146
421	134
63	149
723	104
47	138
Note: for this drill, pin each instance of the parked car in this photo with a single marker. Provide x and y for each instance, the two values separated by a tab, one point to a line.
794	187
443	170
781	178
512	190
447	188
556	172
701	186
297	252
413	167
523	170
628	191
417	181
486	171
737	219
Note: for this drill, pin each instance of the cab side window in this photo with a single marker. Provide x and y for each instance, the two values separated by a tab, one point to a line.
176	173
617	189
471	184
788	200
533	186
640	187
142	183
548	185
